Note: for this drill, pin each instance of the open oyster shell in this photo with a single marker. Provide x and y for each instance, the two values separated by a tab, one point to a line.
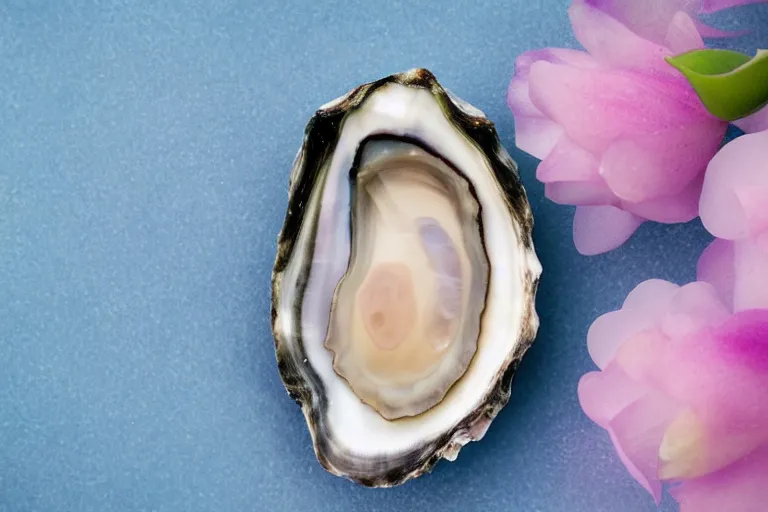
404	284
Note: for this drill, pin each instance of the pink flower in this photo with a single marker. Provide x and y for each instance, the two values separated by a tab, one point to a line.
683	381
734	208
682	391
621	133
651	18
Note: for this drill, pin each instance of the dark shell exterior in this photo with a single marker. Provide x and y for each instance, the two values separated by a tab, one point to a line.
301	382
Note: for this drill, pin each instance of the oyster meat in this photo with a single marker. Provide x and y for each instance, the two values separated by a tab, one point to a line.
404	284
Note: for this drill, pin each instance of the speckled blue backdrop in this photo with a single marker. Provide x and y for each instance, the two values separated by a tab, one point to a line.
144	157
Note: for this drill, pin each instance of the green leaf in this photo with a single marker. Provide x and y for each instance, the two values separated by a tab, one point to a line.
731	85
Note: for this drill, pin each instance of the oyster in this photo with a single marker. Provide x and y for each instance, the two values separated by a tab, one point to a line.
404	283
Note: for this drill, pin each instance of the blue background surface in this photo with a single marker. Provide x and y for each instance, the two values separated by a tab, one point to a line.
144	157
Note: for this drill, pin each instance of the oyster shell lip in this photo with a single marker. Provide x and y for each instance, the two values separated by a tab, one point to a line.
301	381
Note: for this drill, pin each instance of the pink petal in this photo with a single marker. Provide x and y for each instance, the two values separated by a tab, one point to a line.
740	487
598	229
570	174
652	19
640	356
611	42
651	296
635	418
680	207
739	272
597	107
751	276
643	309
717	266
637	432
534	132
568	162
669	23
655	313
518	99
710	6
757	122
609	331
743	342
683	34
536	135
752	200
603	395
694	307
580	193
739	166
704	365
567	56
721	373
761	241
660	164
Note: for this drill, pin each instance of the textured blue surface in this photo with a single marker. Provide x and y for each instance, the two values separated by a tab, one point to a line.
144	157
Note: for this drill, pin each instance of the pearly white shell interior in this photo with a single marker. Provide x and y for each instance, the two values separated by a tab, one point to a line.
353	427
